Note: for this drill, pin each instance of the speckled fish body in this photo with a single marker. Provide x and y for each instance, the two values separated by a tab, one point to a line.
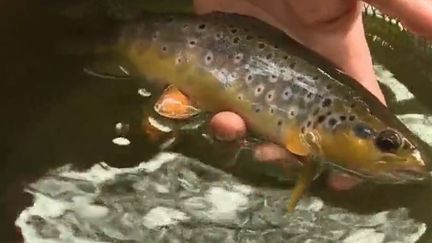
286	93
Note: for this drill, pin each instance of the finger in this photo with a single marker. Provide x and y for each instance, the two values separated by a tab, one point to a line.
272	152
415	15
228	126
339	181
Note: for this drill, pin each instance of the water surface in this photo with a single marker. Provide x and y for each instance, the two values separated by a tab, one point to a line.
54	114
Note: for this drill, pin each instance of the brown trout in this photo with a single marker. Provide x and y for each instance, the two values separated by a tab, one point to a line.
286	93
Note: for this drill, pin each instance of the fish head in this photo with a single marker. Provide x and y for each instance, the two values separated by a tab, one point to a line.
375	151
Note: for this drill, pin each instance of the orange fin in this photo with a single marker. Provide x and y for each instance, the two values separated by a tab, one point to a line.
174	104
294	143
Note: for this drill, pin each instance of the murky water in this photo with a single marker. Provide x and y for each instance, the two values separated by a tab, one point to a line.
53	114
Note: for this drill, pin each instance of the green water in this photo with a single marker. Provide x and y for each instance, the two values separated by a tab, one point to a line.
54	114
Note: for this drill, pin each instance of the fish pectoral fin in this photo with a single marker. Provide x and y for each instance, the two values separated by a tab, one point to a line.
307	175
295	144
174	104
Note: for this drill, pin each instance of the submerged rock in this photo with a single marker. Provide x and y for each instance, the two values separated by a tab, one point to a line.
173	198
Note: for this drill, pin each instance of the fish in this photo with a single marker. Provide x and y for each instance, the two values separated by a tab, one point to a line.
285	92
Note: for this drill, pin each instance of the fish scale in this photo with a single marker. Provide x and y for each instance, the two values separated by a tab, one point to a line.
285	92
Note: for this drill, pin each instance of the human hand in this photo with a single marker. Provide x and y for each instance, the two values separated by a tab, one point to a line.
334	29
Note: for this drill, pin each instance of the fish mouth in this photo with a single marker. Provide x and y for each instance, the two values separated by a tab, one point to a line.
411	174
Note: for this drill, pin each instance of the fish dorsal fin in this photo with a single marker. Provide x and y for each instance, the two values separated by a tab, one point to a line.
295	143
174	104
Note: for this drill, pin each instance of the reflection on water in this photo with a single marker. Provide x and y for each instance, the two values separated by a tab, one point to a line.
58	115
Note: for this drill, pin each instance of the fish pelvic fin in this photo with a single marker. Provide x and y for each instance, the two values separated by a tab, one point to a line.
303	183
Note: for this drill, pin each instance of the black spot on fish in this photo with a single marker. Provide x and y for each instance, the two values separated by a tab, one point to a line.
202	26
332	121
308	124
234	31
239	97
362	130
259	89
192	42
155	35
249	37
342	118
257	109
238	58
236	40
164	49
208	59
276	47
286	93
326	102
269	96
285	57
249	78
170	19
279	123
234	75
329	113
261	45
273	78
321	118
292	113
292	65
269	56
218	36
353	105
272	110
303	130
179	60
351	118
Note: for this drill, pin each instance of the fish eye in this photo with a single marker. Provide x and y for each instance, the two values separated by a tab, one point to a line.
388	141
362	130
